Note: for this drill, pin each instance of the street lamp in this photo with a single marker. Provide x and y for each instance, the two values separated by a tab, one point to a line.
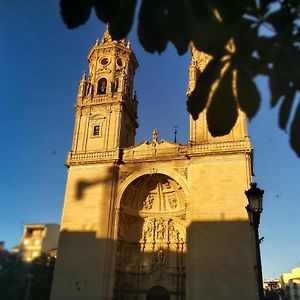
28	285
254	209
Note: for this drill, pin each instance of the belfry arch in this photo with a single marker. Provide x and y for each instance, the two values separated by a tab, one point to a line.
151	241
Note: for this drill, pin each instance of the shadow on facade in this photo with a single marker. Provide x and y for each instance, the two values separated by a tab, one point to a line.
83	185
217	262
221	256
79	266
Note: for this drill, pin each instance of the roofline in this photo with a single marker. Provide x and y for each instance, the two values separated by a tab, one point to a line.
40	224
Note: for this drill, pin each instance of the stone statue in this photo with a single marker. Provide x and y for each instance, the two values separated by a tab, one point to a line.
154	135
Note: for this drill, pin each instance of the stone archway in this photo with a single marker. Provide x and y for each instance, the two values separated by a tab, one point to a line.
151	239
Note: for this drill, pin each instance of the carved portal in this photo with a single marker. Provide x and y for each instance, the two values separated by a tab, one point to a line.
152	239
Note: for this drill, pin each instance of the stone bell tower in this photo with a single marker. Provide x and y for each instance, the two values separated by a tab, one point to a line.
105	123
106	109
198	129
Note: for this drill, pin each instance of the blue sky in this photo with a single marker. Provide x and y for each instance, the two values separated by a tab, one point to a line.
41	64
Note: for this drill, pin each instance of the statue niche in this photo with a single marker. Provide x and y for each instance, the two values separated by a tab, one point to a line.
151	240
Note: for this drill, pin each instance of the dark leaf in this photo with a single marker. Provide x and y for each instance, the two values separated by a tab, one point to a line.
264	47
282	20
245	55
285	108
210	38
222	111
245	38
152	25
256	66
295	131
179	27
208	33
278	80
75	12
264	6
120	25
199	97
231	11
200	10
292	67
106	10
247	93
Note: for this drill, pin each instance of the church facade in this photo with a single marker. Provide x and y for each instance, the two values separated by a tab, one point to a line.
157	220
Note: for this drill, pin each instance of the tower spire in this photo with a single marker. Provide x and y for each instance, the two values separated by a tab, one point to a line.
106	38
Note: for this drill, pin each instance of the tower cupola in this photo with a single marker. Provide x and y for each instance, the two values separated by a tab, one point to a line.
112	66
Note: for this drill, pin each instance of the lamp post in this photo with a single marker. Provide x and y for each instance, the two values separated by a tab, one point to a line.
254	209
28	285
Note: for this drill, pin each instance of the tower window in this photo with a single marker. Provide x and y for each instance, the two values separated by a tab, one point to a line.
29	232
119	62
102	85
96	130
116	84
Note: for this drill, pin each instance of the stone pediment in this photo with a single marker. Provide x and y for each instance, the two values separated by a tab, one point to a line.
162	144
154	150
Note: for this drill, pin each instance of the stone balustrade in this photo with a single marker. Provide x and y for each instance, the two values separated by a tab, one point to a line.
221	146
92	157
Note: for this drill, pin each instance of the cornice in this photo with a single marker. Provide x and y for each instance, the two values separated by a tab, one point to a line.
160	151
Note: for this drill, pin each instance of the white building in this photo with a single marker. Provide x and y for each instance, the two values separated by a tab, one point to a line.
290	282
38	239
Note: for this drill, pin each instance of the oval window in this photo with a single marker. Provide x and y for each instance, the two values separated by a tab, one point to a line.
104	61
119	62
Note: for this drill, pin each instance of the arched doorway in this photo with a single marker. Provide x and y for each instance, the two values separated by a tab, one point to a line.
158	293
151	243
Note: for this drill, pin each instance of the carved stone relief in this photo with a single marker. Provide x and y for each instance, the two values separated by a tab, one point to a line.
152	171
173	202
182	171
151	243
97	117
101	109
148	202
162	230
200	59
124	174
86	111
159	257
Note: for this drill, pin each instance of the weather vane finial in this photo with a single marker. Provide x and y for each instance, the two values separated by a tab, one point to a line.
175	133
